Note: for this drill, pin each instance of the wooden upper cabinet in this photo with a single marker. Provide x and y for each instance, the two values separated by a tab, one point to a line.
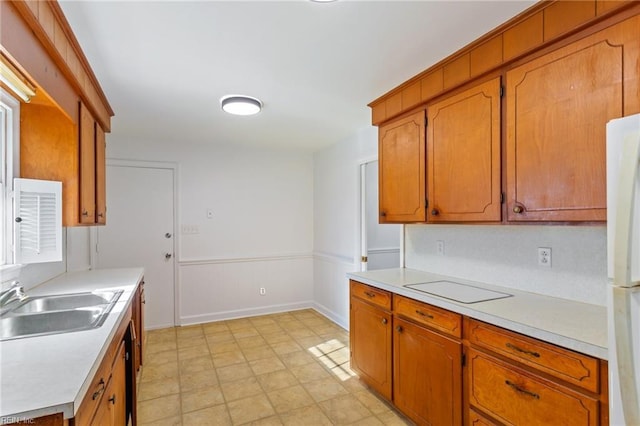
93	209
463	156
52	147
401	154
87	134
101	183
557	109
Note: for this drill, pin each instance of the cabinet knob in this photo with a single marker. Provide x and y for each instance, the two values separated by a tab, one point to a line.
113	399
384	320
399	329
382	214
100	214
518	209
434	212
85	213
167	255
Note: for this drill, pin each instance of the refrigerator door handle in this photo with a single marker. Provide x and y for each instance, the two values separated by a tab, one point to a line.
627	360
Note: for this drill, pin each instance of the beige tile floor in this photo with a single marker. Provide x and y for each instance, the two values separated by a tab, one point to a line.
283	369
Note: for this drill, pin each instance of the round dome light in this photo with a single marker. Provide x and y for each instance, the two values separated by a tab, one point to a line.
240	105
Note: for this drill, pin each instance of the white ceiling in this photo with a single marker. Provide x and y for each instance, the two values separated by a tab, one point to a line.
165	65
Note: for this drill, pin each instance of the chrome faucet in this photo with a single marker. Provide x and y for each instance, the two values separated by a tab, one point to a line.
13	293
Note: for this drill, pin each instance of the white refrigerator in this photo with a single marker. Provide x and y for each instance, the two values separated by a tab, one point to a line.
623	251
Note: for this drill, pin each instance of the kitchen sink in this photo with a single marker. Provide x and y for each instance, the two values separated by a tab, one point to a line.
43	315
65	301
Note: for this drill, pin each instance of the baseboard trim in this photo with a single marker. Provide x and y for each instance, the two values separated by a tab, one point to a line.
339	320
245	313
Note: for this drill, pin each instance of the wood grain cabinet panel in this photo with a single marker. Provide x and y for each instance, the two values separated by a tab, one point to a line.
563	16
523	36
401	154
442	320
487	56
427	375
372	295
87	167
370	341
572	367
557	109
456	71
516	397
101	181
463	156
476	419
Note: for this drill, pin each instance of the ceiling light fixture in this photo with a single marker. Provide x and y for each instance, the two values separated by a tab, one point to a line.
240	105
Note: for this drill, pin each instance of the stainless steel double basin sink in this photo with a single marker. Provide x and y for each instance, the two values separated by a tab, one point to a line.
42	315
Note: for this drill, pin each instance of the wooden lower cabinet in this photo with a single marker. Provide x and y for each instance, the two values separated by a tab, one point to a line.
370	337
112	395
112	408
440	368
427	375
515	396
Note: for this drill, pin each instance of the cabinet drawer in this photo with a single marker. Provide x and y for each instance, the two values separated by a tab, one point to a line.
373	295
476	419
516	397
572	367
94	392
440	319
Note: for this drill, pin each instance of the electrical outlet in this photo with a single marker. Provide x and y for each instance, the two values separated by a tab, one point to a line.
263	291
544	257
440	247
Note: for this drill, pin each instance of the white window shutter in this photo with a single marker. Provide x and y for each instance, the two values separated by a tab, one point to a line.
37	212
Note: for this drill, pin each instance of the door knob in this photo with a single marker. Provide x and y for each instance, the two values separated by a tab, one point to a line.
167	235
168	255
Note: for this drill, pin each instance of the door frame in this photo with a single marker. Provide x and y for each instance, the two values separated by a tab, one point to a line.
167	165
361	217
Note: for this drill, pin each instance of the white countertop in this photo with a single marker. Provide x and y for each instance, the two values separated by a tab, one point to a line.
573	325
50	374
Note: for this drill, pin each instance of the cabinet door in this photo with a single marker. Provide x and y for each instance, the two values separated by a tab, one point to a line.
117	395
401	155
101	184
557	109
87	167
427	375
463	156
370	334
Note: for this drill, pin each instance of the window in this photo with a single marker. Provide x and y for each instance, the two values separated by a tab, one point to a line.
9	168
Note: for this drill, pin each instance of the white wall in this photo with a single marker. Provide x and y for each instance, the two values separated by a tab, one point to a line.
75	257
507	256
336	195
261	231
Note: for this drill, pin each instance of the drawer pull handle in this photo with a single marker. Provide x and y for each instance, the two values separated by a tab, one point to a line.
369	294
524	351
519	389
384	320
422	314
113	399
97	393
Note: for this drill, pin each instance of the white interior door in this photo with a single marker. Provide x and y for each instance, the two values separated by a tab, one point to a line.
380	243
139	232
